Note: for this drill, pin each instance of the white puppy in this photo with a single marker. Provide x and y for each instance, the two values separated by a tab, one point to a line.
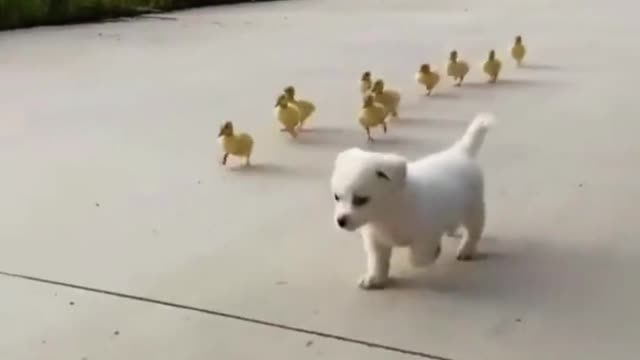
394	202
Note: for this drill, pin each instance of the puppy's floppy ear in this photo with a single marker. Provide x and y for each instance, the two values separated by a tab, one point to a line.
392	168
348	156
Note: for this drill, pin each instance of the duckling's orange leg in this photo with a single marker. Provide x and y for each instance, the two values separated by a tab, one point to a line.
369	138
247	160
429	92
224	158
384	127
292	132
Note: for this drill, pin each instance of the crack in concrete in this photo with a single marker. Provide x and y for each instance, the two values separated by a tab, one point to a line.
300	330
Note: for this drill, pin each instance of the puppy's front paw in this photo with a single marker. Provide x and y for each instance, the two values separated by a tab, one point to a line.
465	255
372	282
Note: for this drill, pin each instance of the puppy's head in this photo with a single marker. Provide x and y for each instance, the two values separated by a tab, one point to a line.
363	184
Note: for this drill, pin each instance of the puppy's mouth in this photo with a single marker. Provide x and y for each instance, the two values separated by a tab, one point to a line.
349	228
345	223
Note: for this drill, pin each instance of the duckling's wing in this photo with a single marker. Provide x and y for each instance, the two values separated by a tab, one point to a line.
487	67
451	69
311	107
366	117
518	51
394	96
381	112
465	67
246	138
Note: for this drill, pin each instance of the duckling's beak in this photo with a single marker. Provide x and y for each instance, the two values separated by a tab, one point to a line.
221	132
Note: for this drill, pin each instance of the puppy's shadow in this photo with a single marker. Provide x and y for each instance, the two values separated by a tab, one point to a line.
523	272
451	276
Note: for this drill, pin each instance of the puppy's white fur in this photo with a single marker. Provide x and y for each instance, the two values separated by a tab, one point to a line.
393	202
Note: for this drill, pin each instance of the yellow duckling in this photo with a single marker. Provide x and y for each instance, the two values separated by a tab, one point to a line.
305	107
390	99
288	115
425	76
371	115
492	67
238	145
365	83
518	51
457	68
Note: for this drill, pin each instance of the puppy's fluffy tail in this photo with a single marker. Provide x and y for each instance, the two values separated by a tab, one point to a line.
472	140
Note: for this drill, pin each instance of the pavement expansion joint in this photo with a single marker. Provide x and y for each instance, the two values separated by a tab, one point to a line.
346	339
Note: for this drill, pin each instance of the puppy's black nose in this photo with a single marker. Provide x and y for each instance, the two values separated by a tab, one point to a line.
342	221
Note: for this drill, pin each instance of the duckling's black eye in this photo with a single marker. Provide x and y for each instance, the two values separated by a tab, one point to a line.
359	200
335	196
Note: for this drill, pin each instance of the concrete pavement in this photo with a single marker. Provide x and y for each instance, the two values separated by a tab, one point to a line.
110	181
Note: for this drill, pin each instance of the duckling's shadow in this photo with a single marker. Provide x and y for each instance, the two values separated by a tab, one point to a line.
429	122
407	121
328	136
547	67
520	83
442	96
391	143
503	83
323	130
261	168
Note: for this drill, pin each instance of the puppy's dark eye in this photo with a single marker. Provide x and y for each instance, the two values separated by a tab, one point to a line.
335	196
359	200
382	175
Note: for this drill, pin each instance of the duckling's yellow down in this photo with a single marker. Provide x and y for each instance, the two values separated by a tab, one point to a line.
457	68
518	51
240	145
305	107
371	115
427	77
390	99
365	83
288	115
492	67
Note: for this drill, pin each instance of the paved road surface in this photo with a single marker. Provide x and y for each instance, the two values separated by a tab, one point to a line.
110	181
